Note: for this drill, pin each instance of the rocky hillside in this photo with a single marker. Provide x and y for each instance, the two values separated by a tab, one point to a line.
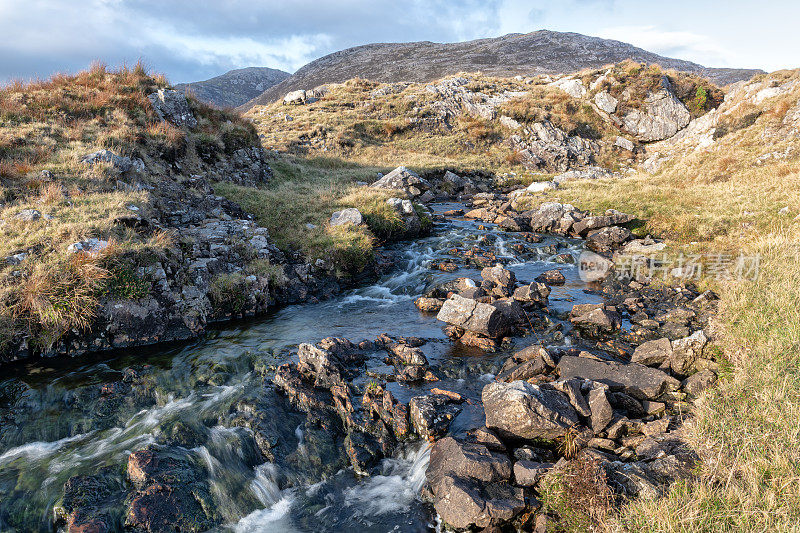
515	54
235	87
526	127
112	232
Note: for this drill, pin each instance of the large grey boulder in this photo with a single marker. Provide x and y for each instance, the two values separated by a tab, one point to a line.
664	116
686	351
347	217
430	415
652	353
477	317
639	381
524	411
173	107
450	457
404	180
298	97
465	503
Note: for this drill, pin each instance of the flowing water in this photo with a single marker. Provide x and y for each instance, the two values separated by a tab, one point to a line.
56	423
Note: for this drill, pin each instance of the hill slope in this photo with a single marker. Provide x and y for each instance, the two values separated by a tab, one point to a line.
532	53
235	87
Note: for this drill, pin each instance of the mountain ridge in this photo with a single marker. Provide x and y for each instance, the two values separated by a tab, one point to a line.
540	52
235	87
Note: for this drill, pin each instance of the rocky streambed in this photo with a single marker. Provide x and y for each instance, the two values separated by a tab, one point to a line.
367	412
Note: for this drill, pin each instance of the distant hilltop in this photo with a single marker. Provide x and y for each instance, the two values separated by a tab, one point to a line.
235	87
540	52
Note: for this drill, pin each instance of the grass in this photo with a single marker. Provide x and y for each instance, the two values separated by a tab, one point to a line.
46	127
721	199
297	205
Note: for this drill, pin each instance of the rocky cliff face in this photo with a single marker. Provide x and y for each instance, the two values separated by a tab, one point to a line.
533	53
236	87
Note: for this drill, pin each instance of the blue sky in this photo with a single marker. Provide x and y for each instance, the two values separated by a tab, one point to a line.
192	40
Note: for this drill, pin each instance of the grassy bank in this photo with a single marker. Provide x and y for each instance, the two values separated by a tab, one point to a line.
297	205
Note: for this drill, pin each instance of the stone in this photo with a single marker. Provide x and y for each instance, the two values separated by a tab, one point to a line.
529	473
594	321
524	411
535	292
480	318
523	371
463	503
606	102
625	144
686	351
541	186
429	305
89	246
503	280
347	217
664	115
401	206
172	106
698	382
641	382
431	415
298	97
363	451
466	460
28	215
653	353
571	86
601	409
552	277
510	123
547	218
404	180
572	388
120	163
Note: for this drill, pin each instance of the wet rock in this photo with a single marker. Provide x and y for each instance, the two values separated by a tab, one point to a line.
431	415
697	383
594	321
429	305
173	107
529	473
686	351
486	437
641	382
653	353
524	411
347	217
463	503
467	460
552	277
403	179
480	318
363	451
532	293
501	279
407	355
88	503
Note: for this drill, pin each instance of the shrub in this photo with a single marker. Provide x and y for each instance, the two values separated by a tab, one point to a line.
578	494
228	293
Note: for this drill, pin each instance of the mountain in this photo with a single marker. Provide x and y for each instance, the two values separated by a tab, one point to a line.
532	53
236	87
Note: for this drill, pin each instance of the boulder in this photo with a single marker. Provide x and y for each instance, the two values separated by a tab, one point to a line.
120	163
519	410
532	293
430	415
501	279
686	351
463	503
594	321
552	277
600	407
298	97
466	460
172	106
625	144
641	382
480	318
653	353
664	115
698	382
605	102
546	219
403	179
528	473
347	217
28	215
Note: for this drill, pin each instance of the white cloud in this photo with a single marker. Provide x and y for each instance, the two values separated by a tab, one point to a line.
682	44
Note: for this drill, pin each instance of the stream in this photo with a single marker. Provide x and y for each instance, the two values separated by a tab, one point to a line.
58	419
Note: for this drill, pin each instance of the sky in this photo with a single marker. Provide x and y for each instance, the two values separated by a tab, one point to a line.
199	39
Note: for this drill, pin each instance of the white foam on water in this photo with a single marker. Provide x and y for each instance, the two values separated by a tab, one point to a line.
394	490
39	449
271	520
